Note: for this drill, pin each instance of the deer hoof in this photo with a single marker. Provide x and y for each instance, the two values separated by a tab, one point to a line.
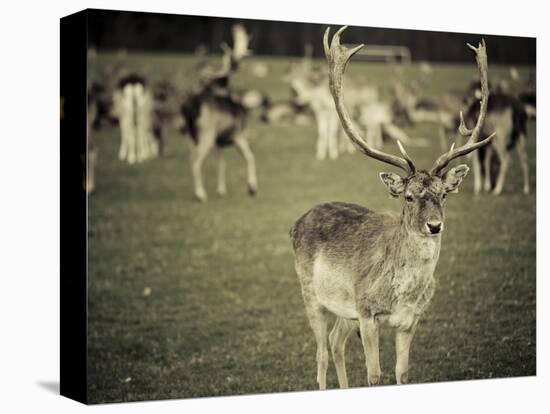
201	196
252	190
374	379
403	378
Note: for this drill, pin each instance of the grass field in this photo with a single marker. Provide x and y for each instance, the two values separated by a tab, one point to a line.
225	313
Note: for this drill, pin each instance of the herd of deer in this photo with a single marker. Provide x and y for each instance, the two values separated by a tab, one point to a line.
363	267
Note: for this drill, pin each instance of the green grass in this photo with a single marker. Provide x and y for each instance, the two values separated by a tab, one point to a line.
225	313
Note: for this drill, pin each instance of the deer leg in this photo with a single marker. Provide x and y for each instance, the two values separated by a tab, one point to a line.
142	146
332	136
123	151
127	128
403	339
487	168
199	152
322	142
132	142
504	157
315	314
141	135
369	337
476	166
318	323
337	340
158	135
522	154
222	189
244	148
127	135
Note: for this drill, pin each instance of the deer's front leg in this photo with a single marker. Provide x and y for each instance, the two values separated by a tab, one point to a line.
403	339
369	337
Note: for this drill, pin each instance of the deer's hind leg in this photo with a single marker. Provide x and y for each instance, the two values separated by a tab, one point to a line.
337	339
241	142
322	136
504	157
332	132
522	154
317	316
199	152
318	322
222	188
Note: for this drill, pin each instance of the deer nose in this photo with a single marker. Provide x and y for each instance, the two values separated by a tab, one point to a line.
434	226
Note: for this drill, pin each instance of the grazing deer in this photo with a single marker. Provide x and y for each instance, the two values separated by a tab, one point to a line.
215	117
366	267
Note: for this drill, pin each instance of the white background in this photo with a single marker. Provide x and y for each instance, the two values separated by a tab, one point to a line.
29	204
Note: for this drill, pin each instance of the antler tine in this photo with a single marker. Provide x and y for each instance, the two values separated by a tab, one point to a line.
412	168
338	57
232	57
473	142
463	129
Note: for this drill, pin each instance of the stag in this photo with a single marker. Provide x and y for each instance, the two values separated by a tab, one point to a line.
215	117
368	268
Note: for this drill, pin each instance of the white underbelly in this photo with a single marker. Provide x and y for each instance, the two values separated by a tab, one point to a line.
333	285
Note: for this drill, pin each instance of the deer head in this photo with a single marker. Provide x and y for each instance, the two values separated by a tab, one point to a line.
423	191
231	57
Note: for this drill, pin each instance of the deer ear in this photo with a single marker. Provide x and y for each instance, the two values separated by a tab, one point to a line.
394	182
453	177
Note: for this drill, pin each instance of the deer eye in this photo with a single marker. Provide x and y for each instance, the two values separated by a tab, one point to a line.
409	198
444	196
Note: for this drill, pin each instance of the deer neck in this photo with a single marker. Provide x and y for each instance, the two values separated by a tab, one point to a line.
417	250
413	281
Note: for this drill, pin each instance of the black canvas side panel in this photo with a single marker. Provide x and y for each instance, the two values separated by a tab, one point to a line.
73	382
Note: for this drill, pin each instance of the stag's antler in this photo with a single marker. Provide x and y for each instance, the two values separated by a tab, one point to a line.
338	57
472	143
231	56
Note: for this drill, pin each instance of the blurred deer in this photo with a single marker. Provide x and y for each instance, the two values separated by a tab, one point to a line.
506	115
311	88
366	267
133	106
216	118
285	112
441	110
